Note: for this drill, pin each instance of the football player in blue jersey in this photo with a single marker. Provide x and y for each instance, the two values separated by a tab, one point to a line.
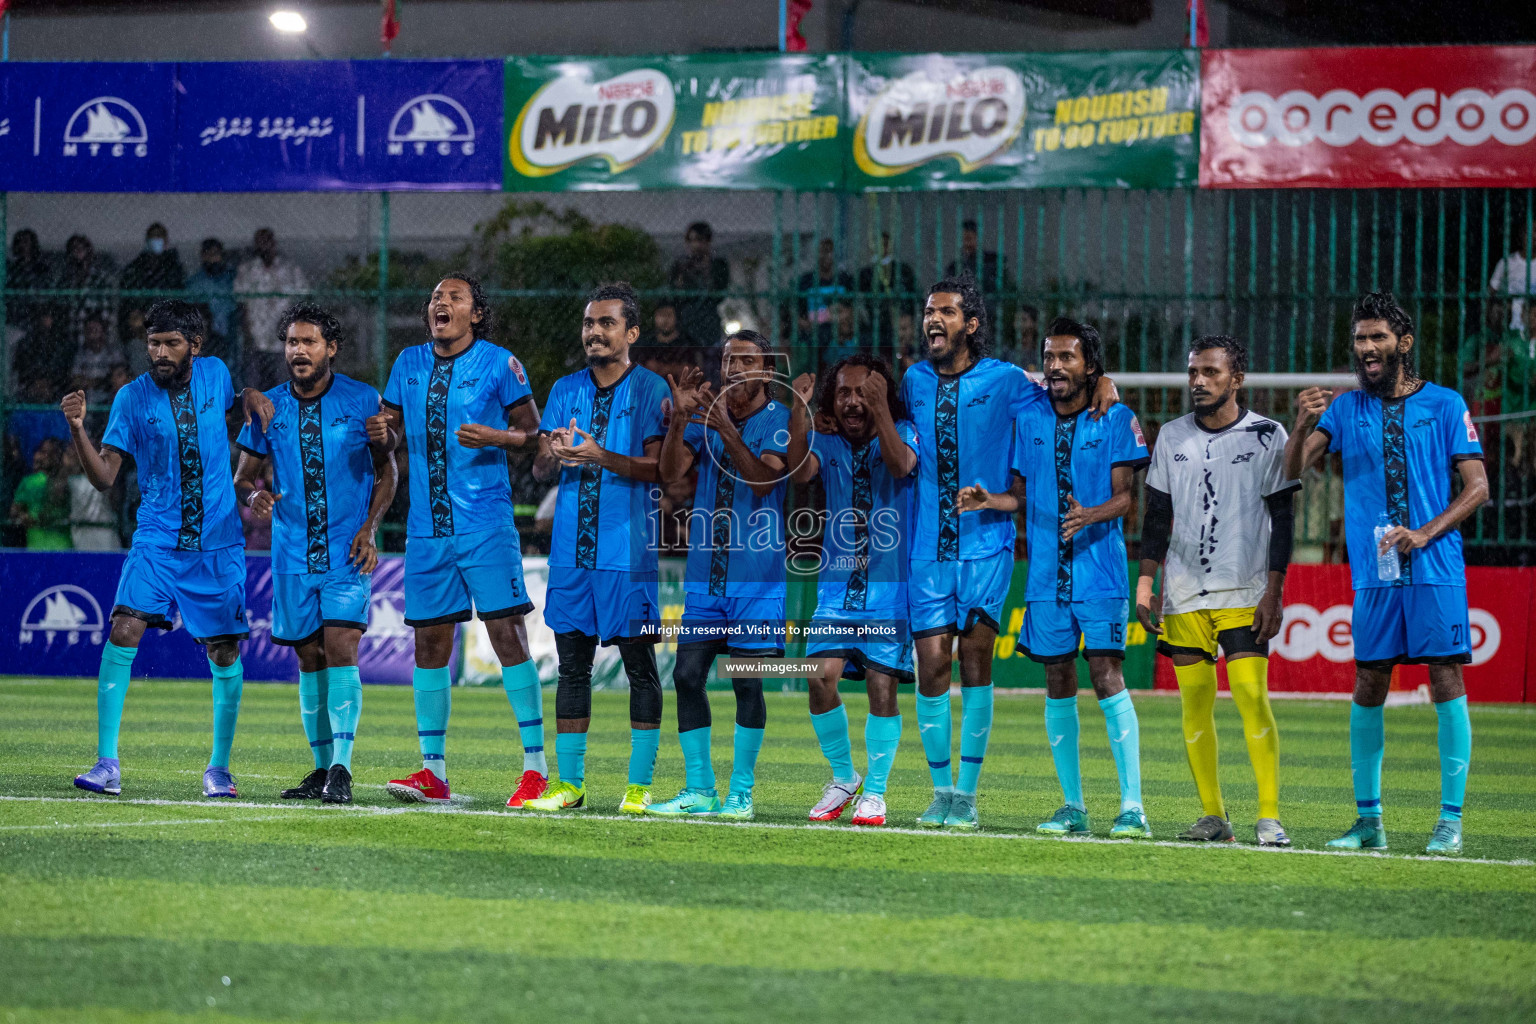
1078	475
188	552
734	580
963	404
1402	439
601	434
330	487
860	623
460	404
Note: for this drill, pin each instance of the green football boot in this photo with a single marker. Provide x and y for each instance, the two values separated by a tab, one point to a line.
1364	834
560	796
689	803
937	811
738	806
636	799
1067	821
1446	838
962	812
1131	824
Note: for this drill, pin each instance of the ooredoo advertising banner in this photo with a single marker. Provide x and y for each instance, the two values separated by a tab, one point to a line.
1414	116
1024	120
673	122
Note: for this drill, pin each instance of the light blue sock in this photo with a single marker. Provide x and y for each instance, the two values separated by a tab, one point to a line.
1125	744
431	687
744	759
934	722
521	681
313	702
227	684
832	733
697	768
1062	730
571	757
344	704
881	737
643	745
112	681
1367	743
975	731
1455	755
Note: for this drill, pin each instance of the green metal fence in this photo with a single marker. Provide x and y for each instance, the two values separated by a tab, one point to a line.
825	273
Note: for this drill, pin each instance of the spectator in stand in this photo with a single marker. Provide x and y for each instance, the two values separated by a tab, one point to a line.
986	267
1515	275
666	343
41	503
92	519
819	291
136	348
43	356
888	288
213	288
281	282
845	338
704	275
31	427
1021	347
26	269
87	275
95	360
156	269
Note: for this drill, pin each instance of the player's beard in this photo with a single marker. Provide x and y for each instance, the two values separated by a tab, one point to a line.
598	360
1074	391
176	376
1386	384
943	362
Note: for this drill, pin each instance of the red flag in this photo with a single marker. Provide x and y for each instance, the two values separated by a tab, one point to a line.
390	27
794	42
1201	35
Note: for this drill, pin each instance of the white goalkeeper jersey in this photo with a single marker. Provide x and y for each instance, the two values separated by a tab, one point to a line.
1218	552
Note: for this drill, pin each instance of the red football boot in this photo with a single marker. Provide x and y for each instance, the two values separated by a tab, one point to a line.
421	788
530	787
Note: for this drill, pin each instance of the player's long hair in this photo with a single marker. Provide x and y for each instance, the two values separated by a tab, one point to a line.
1088	340
311	313
486	328
1383	306
827	392
176	316
972	305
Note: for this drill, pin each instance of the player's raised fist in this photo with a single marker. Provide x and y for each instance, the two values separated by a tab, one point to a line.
805	388
873	391
73	408
378	427
1310	406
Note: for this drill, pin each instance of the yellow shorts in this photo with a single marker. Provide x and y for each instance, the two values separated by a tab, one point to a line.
1201	632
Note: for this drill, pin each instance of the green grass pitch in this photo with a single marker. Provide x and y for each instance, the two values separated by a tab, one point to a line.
161	906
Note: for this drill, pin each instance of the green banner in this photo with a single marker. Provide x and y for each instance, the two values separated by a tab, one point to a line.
1099	120
737	122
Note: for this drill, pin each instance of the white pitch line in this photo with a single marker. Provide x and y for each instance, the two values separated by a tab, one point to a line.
356	811
133	824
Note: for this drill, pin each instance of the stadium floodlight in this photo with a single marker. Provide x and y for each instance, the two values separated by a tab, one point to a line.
732	326
288	21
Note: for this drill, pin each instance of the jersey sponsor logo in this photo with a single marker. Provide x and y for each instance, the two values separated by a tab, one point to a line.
207	404
412	381
1244	457
471	382
1383	117
1466	418
517	369
978	400
1040	440
1426	421
339	420
106	125
1086	445
626	411
1307	632
940	111
63	609
1180	457
437	124
918	403
621	120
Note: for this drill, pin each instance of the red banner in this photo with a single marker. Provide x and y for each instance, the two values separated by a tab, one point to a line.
1410	116
1315	650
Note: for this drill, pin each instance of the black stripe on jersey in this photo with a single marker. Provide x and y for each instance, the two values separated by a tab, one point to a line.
1066	432
720	525
857	591
946	422
190	463
317	555
1394	462
591	484
437	447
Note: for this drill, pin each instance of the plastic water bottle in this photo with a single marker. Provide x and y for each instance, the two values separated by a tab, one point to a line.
1387	567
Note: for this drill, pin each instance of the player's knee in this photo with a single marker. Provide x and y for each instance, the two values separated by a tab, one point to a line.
751	708
882	695
127	631
509	639
311	657
573	698
1107	677
1445	683
434	645
1061	680
341	647
691	669
1372	686
224	653
823	694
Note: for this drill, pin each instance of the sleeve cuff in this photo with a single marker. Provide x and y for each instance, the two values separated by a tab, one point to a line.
653	437
1145	460
390	405
520	401
250	451
1467	457
115	448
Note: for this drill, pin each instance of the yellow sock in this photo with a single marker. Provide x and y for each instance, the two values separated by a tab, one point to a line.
1249	680
1197	697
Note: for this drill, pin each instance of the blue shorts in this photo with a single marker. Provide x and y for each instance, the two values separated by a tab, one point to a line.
1417	624
1054	630
444	574
303	604
206	587
946	597
742	623
865	640
614	605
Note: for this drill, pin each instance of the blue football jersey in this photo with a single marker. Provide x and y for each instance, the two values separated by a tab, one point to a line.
179	441
604	520
965	436
1074	456
735	538
1399	456
322	467
456	489
864	539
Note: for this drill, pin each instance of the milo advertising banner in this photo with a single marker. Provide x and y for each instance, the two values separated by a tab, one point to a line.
1028	120
747	122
